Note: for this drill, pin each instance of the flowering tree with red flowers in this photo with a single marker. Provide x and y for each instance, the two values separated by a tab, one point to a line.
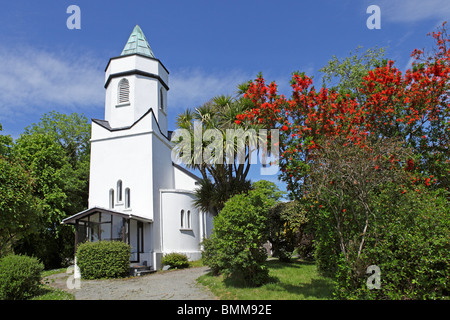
412	106
364	160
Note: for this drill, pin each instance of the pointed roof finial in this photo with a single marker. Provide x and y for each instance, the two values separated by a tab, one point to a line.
137	43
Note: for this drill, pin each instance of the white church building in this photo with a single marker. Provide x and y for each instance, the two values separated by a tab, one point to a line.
136	193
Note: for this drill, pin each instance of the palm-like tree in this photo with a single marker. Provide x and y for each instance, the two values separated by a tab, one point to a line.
220	179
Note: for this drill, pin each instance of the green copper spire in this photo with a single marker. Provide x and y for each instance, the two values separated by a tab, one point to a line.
137	43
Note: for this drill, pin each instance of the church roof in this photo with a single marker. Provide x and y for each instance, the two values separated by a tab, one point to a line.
87	212
137	43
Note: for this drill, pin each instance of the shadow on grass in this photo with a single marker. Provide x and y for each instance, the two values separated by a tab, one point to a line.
316	289
294	263
237	281
294	280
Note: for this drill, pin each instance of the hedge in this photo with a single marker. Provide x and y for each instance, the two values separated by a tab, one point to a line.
103	259
175	260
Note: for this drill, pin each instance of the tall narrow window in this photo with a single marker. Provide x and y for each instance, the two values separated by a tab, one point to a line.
182	218
161	99
188	219
111	198
127	198
124	91
119	191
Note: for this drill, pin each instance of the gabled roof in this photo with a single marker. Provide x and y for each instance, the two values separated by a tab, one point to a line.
87	212
187	172
105	124
137	44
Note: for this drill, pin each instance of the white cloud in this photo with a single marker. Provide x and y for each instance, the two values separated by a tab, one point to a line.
33	80
414	10
192	87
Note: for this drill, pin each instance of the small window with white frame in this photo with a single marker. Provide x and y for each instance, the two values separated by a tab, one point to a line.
127	198
119	191
182	219
111	198
161	99
188	219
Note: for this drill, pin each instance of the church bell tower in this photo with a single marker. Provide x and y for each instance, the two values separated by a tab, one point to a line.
136	81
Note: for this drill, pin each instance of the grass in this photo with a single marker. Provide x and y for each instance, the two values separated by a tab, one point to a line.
49	293
47	273
298	280
46	292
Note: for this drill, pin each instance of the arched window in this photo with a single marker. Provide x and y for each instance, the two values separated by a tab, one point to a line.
111	198
119	191
161	99
188	219
127	198
182	218
123	91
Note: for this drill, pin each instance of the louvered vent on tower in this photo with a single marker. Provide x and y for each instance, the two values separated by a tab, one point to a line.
124	91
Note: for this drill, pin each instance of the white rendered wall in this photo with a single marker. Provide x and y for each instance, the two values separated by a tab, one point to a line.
174	237
131	62
122	155
208	223
183	181
162	173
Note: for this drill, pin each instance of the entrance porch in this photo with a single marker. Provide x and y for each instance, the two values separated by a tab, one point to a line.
99	224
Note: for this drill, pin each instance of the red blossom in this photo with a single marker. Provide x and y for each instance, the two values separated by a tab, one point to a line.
399	103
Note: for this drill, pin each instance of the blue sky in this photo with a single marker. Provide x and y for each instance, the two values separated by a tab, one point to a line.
208	46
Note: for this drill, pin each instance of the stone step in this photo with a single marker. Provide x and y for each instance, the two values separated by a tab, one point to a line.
144	272
137	271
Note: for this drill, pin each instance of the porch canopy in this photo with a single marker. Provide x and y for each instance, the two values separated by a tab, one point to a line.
97	223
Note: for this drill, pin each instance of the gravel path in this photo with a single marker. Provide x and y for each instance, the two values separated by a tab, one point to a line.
162	285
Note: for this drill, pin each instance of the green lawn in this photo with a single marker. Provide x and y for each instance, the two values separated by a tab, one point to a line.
46	292
49	293
298	280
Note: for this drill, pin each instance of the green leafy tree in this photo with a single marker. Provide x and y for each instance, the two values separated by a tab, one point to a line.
346	75
47	164
56	153
269	189
72	132
18	207
5	143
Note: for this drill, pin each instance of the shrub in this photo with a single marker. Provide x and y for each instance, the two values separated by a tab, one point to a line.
411	246
210	255
19	277
103	259
236	246
175	260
